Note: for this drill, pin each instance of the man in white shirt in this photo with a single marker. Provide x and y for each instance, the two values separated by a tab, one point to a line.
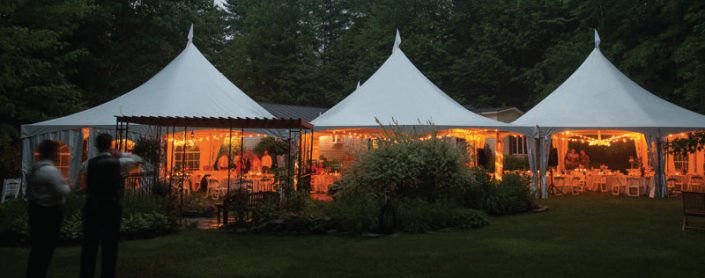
46	191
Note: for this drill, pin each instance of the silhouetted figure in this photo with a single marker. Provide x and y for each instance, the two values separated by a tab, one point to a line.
46	191
102	212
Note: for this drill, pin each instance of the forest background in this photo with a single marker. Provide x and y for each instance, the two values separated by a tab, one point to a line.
61	56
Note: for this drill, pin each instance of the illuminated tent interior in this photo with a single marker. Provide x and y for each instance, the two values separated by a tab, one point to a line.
398	94
189	86
600	106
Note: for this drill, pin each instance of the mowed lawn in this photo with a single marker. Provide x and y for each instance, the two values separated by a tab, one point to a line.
585	236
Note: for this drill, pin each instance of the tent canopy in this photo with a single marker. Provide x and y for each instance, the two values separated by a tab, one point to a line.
189	86
598	96
399	92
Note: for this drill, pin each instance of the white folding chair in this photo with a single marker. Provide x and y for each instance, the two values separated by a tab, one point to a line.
576	186
673	187
10	188
602	184
633	186
696	184
214	188
616	188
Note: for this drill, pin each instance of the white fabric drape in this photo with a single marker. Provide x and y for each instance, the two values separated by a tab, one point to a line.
532	152
545	152
72	138
562	146
658	156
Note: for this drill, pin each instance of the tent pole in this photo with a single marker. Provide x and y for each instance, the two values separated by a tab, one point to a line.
127	134
288	163
660	172
230	159
242	154
310	161
183	177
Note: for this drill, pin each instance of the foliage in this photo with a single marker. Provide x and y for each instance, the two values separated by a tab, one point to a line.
149	149
61	56
510	195
144	224
693	143
408	167
356	213
141	203
264	212
238	200
273	146
198	204
72	228
417	215
143	215
516	162
14	220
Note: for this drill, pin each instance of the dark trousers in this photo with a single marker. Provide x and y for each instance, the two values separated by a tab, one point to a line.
44	227
103	230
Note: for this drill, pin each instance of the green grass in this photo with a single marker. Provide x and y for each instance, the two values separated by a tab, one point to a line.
585	236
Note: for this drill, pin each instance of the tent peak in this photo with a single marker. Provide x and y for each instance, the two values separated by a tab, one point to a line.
397	42
597	39
190	34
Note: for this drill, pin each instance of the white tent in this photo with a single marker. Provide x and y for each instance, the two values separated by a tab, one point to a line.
597	96
399	92
189	86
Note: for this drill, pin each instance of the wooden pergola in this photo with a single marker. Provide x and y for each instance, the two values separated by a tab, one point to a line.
297	128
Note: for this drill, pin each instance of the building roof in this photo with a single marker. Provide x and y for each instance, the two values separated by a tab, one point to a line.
493	109
307	113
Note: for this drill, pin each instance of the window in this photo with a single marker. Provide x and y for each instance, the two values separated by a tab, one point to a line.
64	160
517	145
681	162
192	160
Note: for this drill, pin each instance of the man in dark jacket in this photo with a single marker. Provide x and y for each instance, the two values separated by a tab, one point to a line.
102	213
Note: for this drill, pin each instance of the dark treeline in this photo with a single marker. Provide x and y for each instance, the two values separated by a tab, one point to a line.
61	56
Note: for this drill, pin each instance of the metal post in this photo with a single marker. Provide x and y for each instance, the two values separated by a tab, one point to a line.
117	127
230	162
288	162
183	176
242	154
127	134
659	172
171	163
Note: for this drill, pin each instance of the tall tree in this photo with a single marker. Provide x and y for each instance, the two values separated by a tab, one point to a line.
35	58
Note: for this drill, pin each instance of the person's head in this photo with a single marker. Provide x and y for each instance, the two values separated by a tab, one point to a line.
582	151
48	149
103	142
265	152
572	150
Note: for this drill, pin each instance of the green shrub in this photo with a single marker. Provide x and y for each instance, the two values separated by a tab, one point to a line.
510	195
139	202
407	167
515	162
198	204
14	220
264	212
144	224
72	228
356	214
417	215
143	214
